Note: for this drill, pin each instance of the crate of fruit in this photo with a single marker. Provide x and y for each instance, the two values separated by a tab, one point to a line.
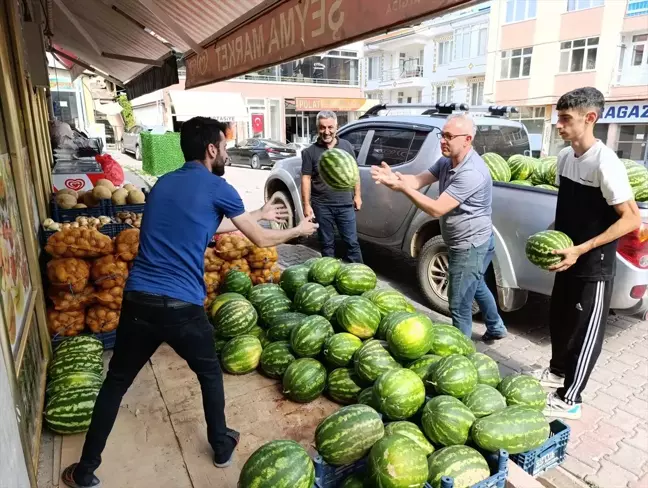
549	455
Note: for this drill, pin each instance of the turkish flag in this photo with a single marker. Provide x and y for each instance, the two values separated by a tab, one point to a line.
257	123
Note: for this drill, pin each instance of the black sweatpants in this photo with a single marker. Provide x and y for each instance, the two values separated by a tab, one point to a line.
146	322
579	311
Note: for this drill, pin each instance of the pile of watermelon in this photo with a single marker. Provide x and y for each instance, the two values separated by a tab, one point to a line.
419	402
74	378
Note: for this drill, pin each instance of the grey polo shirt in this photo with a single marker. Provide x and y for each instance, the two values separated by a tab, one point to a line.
470	183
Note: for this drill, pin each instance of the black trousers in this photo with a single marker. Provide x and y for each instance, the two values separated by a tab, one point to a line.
343	217
579	311
146	322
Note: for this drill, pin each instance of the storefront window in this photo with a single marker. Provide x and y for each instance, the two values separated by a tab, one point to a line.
632	142
557	143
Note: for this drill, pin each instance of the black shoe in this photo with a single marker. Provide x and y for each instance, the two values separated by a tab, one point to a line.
489	338
224	459
68	478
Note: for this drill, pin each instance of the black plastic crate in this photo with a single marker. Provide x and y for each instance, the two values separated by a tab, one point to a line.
62	216
135	208
549	455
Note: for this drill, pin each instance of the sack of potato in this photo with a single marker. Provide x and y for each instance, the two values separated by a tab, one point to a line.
70	274
79	243
100	319
127	244
262	257
108	272
266	275
233	246
67	300
210	298
212	281
68	323
111	298
239	264
212	261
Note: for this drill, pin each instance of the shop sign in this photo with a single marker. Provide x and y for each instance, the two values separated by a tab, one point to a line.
335	104
619	113
296	28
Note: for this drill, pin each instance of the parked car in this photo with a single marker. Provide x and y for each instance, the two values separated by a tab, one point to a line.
131	141
298	146
258	153
410	145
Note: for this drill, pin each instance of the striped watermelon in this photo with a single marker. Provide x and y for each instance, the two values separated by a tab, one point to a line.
545	171
355	279
388	322
637	175
332	291
70	363
219	344
487	370
446	421
236	282
366	397
281	325
388	301
396	461
424	367
259	293
234	318
74	381
241	354
521	182
410	337
348	434
272	306
539	247
221	300
277	464
358	316
400	393
354	481
447	339
344	386
304	380
520	389
454	375
372	360
260	334
516	429
293	278
330	307
310	298
641	193
497	166
411	431
340	348
547	187
339	169
275	358
484	400
521	167
308	338
309	262
324	270
463	464
70	411
79	344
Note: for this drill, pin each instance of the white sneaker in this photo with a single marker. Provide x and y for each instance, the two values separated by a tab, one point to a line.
557	407
547	378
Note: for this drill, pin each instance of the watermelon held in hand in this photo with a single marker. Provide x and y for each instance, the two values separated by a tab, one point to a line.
447	339
234	318
520	389
484	400
293	278
324	270
446	421
236	282
355	279
540	246
358	316
412	431
310	298
411	337
487	370
463	464
278	463
497	166
340	348
344	386
454	375
396	461
241	354
339	170
308	338
276	358
400	393
304	380
348	434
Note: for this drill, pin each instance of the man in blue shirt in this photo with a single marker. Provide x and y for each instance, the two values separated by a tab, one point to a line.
164	295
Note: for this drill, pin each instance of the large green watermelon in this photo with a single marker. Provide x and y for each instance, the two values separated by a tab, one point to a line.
293	278
308	338
463	464
71	363
344	386
78	345
412	431
521	182
637	175
366	397
310	298
411	336
272	306
400	393
324	270
396	461
74	380
355	279
454	375
547	187
332	291
545	168
521	167
278	464
520	389
330	307
259	293
275	358
424	368
447	339
340	348
260	334
70	411
388	301
280	326
487	370
236	282
446	421
348	434
388	322
304	380
539	247
484	400
497	166
234	318
221	300
372	360
358	316
241	354
516	429
339	169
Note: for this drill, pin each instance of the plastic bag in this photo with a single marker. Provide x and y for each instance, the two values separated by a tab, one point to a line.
111	298
111	168
108	272
127	244
66	300
79	243
233	246
262	257
101	319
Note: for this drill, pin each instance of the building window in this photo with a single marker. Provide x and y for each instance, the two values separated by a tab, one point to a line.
471	41
445	52
578	55
401	95
583	4
516	63
517	10
477	93
444	94
637	7
632	142
639	50
374	68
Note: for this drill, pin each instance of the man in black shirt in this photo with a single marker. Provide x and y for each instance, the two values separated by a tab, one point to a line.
595	208
331	208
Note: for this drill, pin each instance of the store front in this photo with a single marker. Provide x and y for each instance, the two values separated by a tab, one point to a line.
301	115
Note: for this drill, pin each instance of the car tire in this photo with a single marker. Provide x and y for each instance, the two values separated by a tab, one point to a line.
138	153
434	254
281	197
254	162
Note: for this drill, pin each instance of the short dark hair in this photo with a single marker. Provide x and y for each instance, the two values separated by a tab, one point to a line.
582	98
198	133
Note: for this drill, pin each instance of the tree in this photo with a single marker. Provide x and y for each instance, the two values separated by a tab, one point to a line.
127	113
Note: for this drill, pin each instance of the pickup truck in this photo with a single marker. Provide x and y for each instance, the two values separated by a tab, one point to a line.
410	144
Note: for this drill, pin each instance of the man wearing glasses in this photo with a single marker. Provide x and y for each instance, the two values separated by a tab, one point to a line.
464	210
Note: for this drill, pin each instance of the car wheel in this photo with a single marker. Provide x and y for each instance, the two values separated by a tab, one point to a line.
254	162
138	153
433	275
122	149
282	198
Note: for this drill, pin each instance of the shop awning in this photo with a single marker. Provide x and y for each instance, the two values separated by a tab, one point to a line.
226	107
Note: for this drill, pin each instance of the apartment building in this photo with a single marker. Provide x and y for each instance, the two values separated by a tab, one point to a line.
538	50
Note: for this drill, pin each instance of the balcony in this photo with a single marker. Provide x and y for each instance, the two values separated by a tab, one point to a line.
637	7
410	73
272	78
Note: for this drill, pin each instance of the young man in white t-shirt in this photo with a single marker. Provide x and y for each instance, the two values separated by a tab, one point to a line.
595	208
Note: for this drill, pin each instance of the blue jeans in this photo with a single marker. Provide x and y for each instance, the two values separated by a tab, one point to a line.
343	217
466	268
